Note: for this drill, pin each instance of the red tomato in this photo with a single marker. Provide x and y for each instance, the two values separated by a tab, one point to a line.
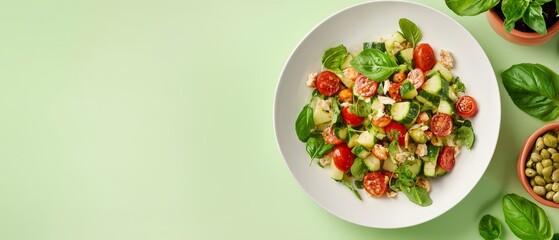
365	87
394	92
375	183
329	136
327	83
424	57
396	129
416	77
350	118
446	158
441	124
466	106
343	157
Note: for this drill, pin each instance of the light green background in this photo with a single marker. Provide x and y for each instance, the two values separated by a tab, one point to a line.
153	120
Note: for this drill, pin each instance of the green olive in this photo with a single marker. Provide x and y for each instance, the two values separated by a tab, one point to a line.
555	187
555	176
532	182
530	163
539	168
547	163
540	190
549	187
540	181
549	195
545	154
530	172
550	140
535	157
552	150
539	144
555	157
556	165
556	197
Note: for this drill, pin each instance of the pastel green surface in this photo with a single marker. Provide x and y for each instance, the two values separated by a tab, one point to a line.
153	120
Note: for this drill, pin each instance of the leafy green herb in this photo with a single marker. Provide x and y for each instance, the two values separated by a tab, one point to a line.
410	30
470	7
466	136
525	219
334	57
316	147
348	185
406	183
555	236
305	123
335	111
360	108
359	184
418	196
490	227
375	64
534	89
375	45
458	85
513	11
557	8
533	17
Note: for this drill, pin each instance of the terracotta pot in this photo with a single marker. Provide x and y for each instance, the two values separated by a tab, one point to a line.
519	37
523	157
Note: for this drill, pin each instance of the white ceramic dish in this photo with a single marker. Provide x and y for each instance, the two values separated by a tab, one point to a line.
368	22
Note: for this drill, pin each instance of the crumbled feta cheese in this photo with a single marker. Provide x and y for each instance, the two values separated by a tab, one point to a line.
310	79
386	100
446	59
324	104
386	86
397	48
401	157
421	149
350	73
391	194
345	104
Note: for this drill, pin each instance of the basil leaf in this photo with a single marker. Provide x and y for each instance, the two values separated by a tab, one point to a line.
534	89
470	7
541	2
533	17
334	57
555	236
335	111
513	10
410	30
351	188
376	45
466	136
490	227
525	219
374	64
316	147
418	196
557	7
304	123
360	108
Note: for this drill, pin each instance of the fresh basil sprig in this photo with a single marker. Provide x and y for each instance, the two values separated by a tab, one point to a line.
333	58
360	108
316	147
407	184
470	7
305	123
374	64
490	227
525	219
410	30
534	89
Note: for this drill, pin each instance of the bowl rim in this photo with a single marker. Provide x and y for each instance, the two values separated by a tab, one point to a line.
521	163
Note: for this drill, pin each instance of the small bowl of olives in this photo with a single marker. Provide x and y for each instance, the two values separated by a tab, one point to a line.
538	165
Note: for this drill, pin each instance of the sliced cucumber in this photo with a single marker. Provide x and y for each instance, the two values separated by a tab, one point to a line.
446	107
358	169
439	171
415	167
432	153
347	60
429	100
436	86
372	163
407	90
397	37
389	165
444	72
418	136
405	56
429	169
341	132
360	151
405	112
353	141
336	173
366	139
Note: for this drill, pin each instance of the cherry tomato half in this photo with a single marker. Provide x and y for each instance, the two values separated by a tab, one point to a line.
416	77
343	157
446	158
365	87
466	106
441	124
396	129
350	118
424	57
329	136
327	83
375	183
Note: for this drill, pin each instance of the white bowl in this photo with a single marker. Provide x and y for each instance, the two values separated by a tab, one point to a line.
368	22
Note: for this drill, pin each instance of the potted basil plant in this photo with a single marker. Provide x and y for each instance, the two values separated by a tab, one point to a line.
524	22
